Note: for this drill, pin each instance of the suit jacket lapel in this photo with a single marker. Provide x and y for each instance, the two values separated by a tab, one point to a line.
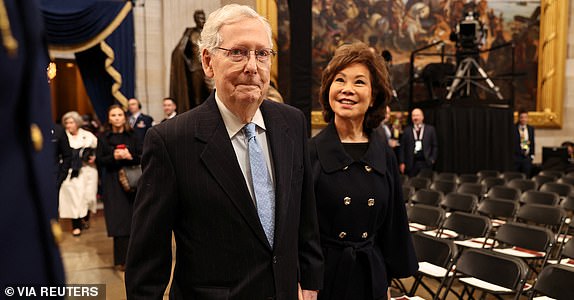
220	160
281	145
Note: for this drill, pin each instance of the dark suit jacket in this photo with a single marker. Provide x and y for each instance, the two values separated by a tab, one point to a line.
142	124
192	184
430	146
516	144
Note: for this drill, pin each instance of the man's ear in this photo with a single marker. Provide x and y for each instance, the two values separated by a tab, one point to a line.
206	61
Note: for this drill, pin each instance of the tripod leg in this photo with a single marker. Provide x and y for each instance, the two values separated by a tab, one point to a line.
460	76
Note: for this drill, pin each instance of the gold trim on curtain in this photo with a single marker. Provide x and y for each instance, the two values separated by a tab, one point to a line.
114	74
268	9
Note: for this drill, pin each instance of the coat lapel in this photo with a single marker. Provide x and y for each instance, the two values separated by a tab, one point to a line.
220	160
281	146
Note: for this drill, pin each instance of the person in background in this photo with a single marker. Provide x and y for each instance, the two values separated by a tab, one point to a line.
78	191
419	145
362	216
63	153
570	146
397	133
169	109
524	144
231	181
28	209
118	146
138	121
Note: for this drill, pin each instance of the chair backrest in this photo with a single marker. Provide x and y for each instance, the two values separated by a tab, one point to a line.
566	180
426	173
541	214
542	179
418	183
428	197
568	203
569	175
472	188
444	186
487	173
447	176
567	249
429	216
468	178
459	202
467	225
555	174
508	176
538	197
555	281
434	250
522	184
525	236
490	182
408	192
492	267
497	208
503	192
562	189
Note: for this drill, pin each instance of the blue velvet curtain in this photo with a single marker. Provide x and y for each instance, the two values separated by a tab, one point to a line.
72	24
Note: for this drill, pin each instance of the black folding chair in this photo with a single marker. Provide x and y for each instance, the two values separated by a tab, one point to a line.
423	217
426	173
566	180
551	217
542	179
447	176
468	230
488	272
468	178
502	192
562	189
551	173
554	281
444	186
459	202
487	173
436	257
428	197
408	192
490	182
566	254
538	197
472	188
522	184
508	176
499	211
418	183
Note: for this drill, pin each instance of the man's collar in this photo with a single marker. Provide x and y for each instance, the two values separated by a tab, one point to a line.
136	115
232	123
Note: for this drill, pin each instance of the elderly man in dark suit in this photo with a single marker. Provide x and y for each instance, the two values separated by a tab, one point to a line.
29	206
232	180
419	145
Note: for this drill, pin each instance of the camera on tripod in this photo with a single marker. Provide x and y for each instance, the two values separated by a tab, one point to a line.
469	33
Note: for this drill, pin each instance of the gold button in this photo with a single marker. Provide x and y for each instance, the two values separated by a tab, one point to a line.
345	168
371	202
347	200
56	231
365	235
36	136
368	169
342	234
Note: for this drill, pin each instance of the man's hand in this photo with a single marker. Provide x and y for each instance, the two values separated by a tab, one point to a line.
402	168
306	294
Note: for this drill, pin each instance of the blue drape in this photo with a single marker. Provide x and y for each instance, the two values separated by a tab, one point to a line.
71	25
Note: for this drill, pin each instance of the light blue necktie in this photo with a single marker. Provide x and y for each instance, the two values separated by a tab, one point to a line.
262	185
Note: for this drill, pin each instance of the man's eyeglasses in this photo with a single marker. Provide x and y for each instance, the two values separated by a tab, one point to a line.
240	54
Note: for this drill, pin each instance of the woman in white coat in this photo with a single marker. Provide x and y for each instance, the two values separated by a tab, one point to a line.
78	191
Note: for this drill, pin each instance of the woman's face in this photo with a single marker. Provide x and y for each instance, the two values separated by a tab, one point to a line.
350	94
117	118
71	125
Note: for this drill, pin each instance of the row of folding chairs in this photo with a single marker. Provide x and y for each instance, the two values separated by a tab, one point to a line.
481	175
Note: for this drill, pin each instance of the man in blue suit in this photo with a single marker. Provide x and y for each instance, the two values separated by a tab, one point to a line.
28	209
138	121
419	145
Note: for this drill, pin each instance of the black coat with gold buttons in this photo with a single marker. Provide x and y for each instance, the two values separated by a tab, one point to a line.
362	217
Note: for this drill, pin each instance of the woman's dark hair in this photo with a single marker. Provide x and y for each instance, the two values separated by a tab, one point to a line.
360	53
108	126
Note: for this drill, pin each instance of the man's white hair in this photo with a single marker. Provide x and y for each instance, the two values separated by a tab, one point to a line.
229	14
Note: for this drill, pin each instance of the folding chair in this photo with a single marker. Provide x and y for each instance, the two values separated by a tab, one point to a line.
424	217
472	188
554	281
508	176
566	255
538	197
436	257
489	272
551	217
542	179
459	202
499	211
426	173
522	184
408	192
566	180
468	178
418	183
447	176
570	175
487	173
428	197
490	182
502	192
562	189
468	230
555	174
444	186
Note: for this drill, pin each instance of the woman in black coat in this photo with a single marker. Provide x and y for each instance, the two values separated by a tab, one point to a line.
118	146
362	217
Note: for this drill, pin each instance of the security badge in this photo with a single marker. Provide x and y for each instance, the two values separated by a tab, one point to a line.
418	146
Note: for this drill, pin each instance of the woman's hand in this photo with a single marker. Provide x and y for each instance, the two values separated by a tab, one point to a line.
127	155
118	154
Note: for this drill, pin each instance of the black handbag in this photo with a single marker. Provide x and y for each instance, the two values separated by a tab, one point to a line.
129	177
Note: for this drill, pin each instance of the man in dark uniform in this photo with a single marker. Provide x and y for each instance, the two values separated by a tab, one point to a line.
28	252
138	121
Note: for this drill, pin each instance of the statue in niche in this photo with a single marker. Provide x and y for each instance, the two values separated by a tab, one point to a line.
188	85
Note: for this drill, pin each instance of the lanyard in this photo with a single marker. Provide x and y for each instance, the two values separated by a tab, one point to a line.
420	135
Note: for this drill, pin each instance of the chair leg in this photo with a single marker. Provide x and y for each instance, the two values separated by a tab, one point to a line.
415	286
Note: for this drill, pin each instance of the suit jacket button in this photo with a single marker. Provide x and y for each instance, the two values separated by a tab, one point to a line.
371	202
347	200
368	169
365	235
36	137
342	235
56	231
274	259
